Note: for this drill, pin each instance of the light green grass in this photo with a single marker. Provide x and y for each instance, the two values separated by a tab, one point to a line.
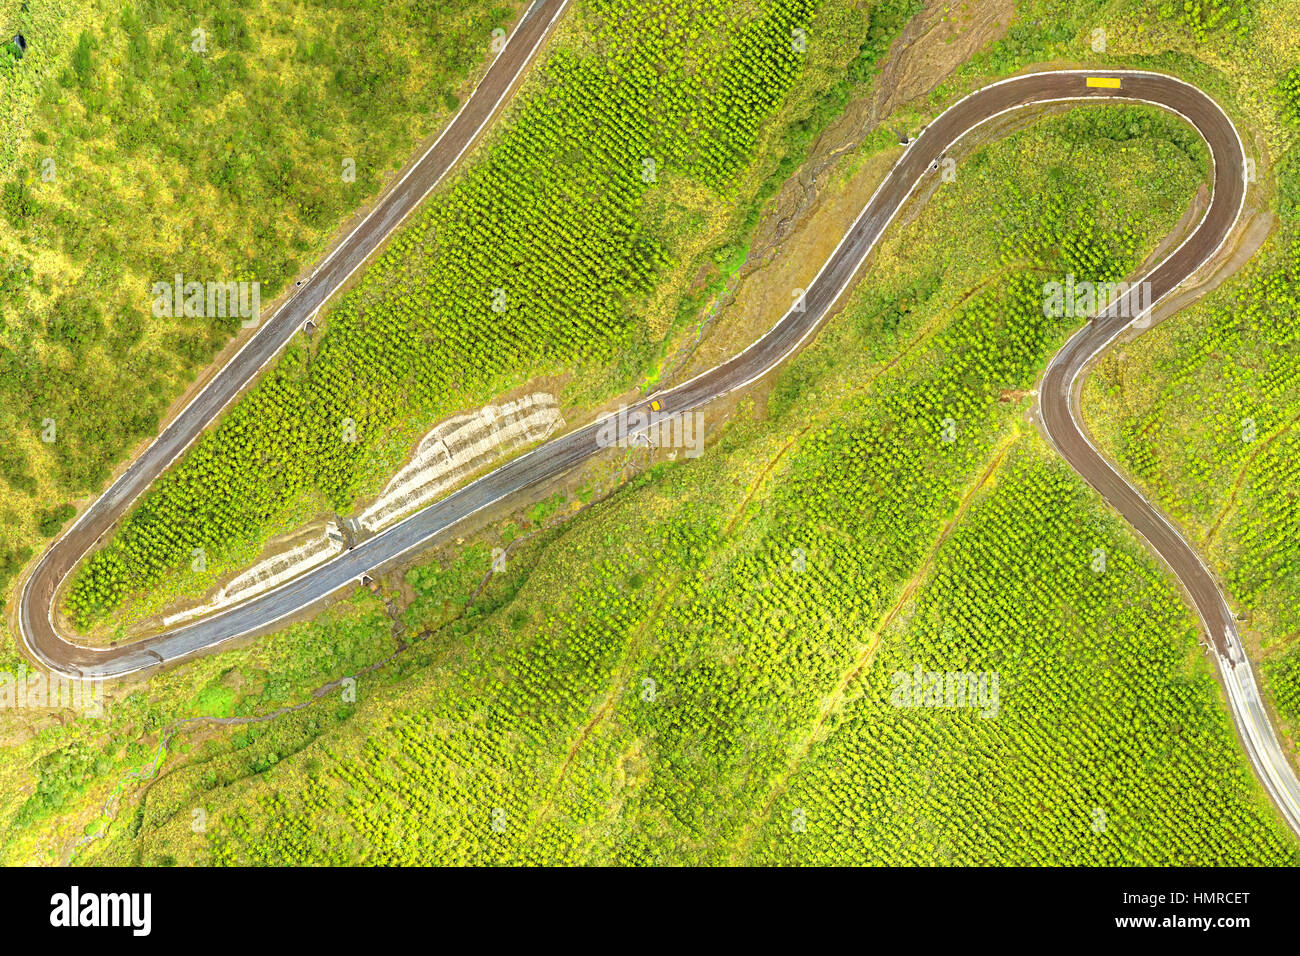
661	680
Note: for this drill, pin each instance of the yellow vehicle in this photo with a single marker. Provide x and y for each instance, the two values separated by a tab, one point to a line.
655	406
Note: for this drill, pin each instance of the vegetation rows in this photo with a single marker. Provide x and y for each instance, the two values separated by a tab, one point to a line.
528	261
692	675
128	156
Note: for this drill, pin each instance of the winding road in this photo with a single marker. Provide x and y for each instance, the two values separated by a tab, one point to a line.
1058	394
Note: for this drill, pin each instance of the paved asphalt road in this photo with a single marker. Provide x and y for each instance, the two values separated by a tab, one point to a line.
1058	393
100	518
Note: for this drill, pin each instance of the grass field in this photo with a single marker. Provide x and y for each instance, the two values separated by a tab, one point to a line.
1203	410
481	295
699	669
630	163
702	668
133	148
